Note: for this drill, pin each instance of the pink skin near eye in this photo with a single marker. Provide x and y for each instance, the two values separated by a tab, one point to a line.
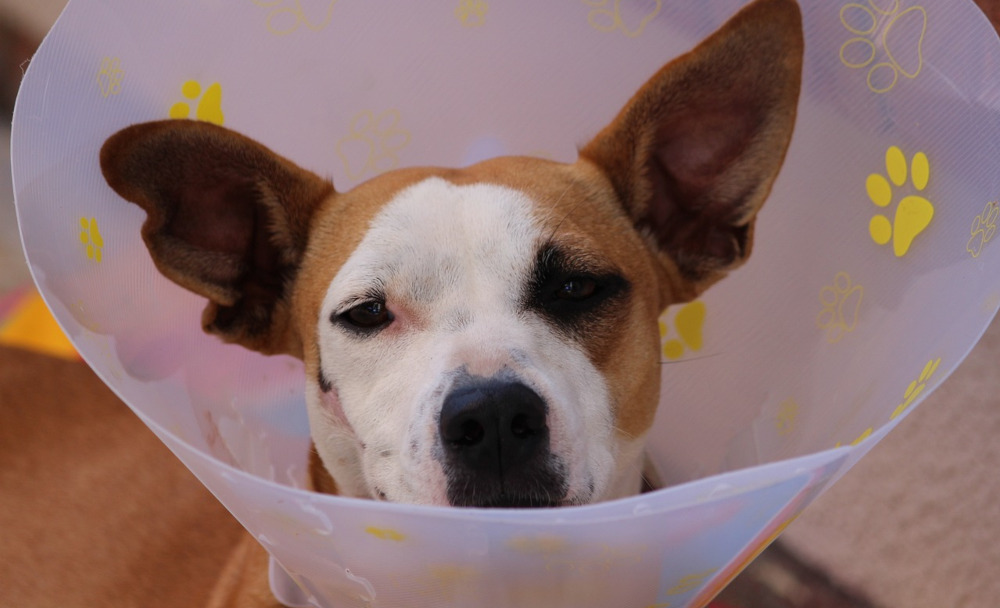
402	320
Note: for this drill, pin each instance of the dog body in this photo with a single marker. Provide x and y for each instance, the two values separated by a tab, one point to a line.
482	336
95	510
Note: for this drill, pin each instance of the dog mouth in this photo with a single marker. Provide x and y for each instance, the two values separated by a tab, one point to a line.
542	486
544	489
508	500
495	447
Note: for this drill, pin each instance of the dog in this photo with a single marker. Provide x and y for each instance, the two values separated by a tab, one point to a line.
475	337
486	336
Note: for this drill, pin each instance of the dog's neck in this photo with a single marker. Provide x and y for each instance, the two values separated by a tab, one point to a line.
320	479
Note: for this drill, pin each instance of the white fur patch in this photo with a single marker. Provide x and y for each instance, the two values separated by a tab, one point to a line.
453	263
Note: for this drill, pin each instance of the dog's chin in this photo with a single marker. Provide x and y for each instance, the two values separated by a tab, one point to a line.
493	500
510	502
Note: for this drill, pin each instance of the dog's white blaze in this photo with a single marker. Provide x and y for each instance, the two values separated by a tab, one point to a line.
453	263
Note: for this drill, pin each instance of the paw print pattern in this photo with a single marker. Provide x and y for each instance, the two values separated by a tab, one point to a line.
386	534
689	321
472	13
913	213
788	412
913	391
286	16
916	387
110	76
984	228
884	25
91	238
606	16
864	435
841	307
209	107
598	560
373	143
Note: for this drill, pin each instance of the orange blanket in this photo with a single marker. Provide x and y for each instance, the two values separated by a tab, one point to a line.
26	322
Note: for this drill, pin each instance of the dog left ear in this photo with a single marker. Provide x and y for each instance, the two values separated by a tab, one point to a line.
226	218
694	153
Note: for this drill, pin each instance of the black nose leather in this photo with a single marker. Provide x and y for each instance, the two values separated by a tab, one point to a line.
495	439
494	427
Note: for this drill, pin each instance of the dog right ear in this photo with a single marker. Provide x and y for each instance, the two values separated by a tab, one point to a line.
227	219
694	153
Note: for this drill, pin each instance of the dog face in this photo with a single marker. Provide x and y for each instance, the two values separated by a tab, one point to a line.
484	336
500	346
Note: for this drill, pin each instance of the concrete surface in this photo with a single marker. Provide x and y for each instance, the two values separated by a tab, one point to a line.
916	523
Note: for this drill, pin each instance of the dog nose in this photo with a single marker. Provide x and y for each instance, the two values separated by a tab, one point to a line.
495	436
494	426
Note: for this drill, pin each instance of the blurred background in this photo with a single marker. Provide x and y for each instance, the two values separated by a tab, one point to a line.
916	524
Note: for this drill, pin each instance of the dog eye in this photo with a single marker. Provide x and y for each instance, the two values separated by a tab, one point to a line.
574	291
577	288
367	315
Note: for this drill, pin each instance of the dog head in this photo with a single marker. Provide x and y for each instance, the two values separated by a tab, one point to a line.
484	336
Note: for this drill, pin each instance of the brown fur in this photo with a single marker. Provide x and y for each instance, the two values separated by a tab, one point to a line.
319	478
226	218
677	178
244	581
686	147
95	511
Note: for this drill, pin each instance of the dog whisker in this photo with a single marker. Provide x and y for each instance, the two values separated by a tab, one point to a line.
690	359
648	485
565	216
617	429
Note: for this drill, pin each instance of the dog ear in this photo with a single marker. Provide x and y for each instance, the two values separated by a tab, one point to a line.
693	154
226	218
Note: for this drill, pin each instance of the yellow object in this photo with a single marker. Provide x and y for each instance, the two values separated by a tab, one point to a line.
386	534
91	238
31	326
914	212
208	107
689	322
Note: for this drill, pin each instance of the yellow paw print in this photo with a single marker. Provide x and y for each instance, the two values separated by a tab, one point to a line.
91	238
914	212
110	76
286	16
864	435
472	13
841	307
606	16
788	412
883	25
688	321
209	107
916	387
386	534
373	143
984	228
